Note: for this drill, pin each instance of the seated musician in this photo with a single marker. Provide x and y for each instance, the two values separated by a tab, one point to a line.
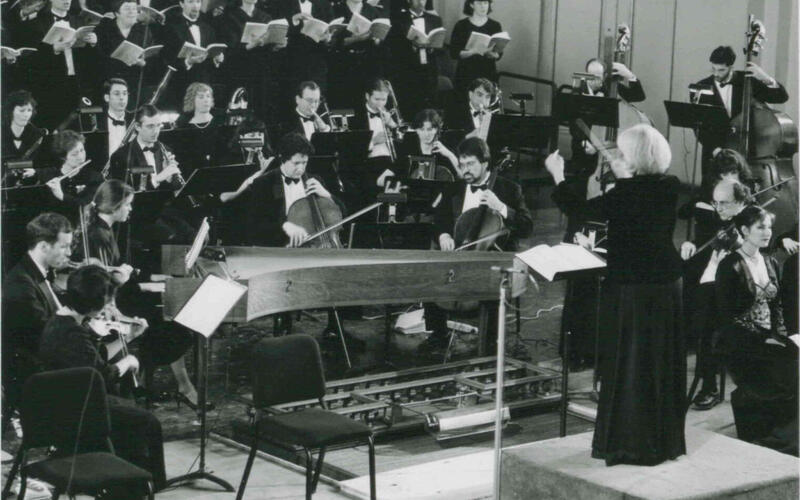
67	342
629	89
198	108
760	357
71	184
29	300
727	86
729	198
505	199
789	243
373	116
163	343
251	129
271	198
428	126
305	119
469	115
162	174
20	137
115	95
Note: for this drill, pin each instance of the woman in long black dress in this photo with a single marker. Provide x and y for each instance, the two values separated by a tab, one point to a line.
163	343
470	64
640	417
760	357
67	343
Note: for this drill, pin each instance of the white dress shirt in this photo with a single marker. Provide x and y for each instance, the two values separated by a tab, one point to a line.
473	200
726	94
308	126
306	6
376	125
150	158
419	23
293	191
115	134
476	119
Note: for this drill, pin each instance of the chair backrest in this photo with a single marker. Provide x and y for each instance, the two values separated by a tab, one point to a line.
287	369
55	402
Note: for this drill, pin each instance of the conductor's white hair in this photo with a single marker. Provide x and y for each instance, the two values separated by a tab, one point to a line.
645	149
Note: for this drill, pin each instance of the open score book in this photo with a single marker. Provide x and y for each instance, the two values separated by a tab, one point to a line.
562	258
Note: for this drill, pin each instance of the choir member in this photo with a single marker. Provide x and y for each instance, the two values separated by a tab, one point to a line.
305	119
727	87
760	357
415	68
29	300
143	74
505	199
640	417
250	65
470	64
192	28
60	73
356	59
306	59
69	190
67	342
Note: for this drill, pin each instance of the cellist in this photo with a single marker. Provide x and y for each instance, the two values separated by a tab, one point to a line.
505	198
727	85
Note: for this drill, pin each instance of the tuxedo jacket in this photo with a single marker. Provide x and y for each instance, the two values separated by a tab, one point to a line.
27	305
109	37
404	54
176	33
294	124
131	156
98	151
267	210
712	138
519	220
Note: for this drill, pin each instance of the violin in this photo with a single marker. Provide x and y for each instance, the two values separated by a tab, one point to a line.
315	214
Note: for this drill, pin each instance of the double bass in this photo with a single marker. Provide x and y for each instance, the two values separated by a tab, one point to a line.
765	137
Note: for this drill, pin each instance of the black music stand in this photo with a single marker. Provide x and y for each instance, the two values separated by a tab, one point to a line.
695	116
522	133
327	168
215	180
351	146
594	110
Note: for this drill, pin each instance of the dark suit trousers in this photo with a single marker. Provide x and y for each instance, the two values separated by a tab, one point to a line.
137	438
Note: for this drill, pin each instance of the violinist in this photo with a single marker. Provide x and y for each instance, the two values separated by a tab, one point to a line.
29	300
727	87
71	184
305	119
373	116
162	343
729	198
68	343
505	199
644	361
467	116
761	359
428	127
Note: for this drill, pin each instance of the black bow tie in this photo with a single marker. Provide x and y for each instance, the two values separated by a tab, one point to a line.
306	118
289	180
190	23
374	115
476	113
151	149
475	188
115	122
56	17
50	275
415	16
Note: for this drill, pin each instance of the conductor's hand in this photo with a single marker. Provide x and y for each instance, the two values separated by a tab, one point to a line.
687	250
55	187
491	200
583	240
790	246
555	165
313	186
297	235
446	242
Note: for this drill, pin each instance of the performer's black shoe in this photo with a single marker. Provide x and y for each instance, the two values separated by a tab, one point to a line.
706	400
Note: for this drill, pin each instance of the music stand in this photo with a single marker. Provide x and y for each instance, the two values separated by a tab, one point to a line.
594	110
203	313
695	116
215	180
351	146
519	133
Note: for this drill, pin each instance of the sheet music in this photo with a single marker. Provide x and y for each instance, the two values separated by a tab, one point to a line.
197	245
210	303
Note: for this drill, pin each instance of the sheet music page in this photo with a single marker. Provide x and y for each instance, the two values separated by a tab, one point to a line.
197	245
541	259
575	257
210	303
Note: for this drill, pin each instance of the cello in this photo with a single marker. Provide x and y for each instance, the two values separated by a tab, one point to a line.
765	137
315	214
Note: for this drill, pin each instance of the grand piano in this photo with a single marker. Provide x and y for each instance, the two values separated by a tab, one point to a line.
283	279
